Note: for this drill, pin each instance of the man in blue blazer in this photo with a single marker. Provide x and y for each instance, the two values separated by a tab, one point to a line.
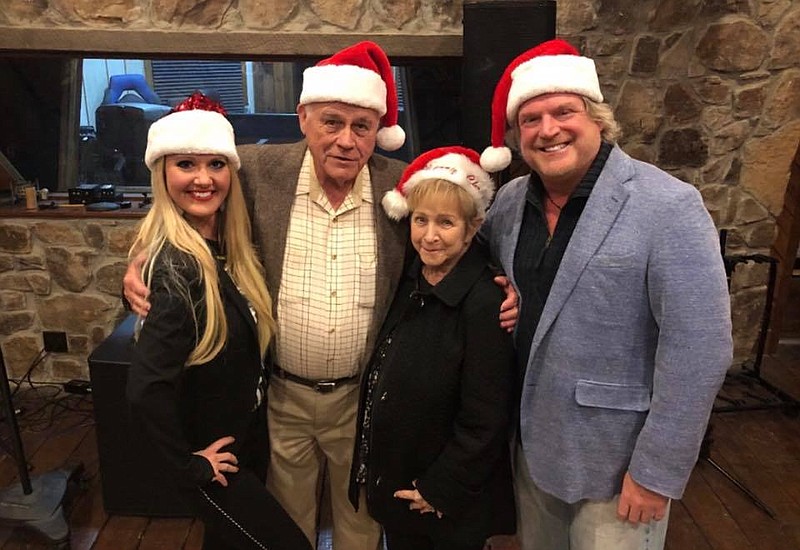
624	335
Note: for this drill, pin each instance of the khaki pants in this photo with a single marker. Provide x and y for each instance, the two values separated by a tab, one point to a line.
309	430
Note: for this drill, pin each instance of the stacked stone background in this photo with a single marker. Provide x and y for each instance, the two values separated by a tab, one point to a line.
62	276
707	89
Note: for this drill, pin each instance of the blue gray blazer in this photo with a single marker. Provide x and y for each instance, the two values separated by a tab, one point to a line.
634	340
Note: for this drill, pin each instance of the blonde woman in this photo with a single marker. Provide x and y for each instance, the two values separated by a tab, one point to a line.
197	382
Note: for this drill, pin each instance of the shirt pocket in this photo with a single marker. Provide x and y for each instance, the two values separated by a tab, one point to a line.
295	282
605	395
367	269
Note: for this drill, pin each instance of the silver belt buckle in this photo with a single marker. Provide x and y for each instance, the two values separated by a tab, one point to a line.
324	387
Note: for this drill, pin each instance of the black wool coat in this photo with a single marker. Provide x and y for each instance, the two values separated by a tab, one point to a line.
184	409
441	408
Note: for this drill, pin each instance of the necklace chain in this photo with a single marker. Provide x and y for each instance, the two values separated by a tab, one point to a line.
554	203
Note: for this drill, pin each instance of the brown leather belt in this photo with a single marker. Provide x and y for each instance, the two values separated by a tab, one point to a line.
320	386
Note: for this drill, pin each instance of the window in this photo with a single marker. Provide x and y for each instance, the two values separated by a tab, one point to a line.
120	99
89	124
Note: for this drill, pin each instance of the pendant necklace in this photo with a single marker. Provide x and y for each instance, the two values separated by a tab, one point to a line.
554	203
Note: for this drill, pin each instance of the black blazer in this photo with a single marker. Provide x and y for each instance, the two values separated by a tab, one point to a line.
441	408
184	409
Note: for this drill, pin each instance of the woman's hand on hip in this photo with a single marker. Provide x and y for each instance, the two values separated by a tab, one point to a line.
221	462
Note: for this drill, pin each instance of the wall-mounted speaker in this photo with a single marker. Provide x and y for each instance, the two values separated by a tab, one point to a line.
495	32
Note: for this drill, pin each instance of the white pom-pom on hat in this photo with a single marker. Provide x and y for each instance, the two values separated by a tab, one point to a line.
391	138
494	159
395	204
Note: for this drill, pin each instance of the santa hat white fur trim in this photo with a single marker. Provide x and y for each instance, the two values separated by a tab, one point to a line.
548	74
453	167
192	132
346	83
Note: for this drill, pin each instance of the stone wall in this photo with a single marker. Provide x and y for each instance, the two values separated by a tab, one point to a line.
60	275
392	16
707	89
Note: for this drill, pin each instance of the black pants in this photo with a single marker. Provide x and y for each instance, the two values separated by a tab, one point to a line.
244	515
400	541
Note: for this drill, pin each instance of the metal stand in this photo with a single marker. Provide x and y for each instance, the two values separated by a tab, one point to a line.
34	503
746	390
705	454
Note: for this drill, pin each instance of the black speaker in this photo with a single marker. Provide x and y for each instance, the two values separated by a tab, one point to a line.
133	481
495	32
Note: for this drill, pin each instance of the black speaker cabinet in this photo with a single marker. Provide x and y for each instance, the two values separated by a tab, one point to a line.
495	32
133	482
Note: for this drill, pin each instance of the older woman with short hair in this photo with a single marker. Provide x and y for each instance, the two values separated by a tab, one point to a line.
433	425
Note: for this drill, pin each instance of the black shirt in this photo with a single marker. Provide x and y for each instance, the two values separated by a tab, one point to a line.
538	255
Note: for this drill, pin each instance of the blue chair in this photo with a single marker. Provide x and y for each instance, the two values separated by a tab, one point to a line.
120	83
129	108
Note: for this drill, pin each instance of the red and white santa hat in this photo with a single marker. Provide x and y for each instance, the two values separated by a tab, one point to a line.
554	66
458	165
196	126
358	75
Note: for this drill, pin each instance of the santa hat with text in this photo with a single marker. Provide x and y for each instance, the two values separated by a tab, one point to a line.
554	66
358	75
458	165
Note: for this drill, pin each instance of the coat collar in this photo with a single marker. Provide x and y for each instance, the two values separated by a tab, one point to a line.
452	289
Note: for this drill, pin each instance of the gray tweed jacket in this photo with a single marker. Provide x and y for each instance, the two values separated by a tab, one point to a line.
634	339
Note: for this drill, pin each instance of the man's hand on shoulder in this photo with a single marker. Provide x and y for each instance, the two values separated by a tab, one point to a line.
638	504
134	289
509	309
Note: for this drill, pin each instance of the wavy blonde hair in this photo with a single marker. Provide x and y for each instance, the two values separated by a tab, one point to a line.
602	113
165	223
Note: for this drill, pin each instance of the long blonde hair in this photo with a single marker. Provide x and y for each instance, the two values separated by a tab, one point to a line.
164	223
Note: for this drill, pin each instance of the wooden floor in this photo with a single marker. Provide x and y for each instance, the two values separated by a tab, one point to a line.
761	448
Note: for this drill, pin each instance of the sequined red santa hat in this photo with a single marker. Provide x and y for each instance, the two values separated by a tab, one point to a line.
458	165
196	126
554	66
358	75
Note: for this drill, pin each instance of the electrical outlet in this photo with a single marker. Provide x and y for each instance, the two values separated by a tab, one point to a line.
55	341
